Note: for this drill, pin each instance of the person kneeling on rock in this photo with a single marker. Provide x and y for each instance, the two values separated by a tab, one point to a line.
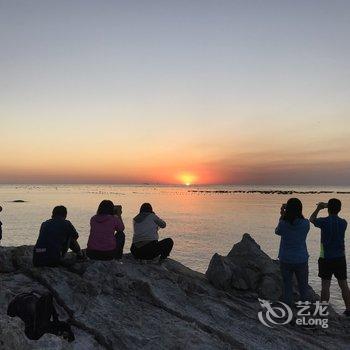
145	244
56	236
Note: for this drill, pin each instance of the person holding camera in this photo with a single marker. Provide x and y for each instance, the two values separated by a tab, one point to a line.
107	238
332	257
145	243
293	255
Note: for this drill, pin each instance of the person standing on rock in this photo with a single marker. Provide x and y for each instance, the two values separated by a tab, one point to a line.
56	236
293	255
107	238
145	243
332	259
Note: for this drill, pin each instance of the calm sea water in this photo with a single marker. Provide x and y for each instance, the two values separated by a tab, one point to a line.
200	223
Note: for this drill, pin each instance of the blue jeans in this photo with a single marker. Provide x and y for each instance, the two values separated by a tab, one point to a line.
301	272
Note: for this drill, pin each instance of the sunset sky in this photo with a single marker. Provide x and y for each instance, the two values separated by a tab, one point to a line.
242	92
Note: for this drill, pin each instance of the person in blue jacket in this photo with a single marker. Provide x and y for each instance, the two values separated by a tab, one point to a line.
332	259
293	255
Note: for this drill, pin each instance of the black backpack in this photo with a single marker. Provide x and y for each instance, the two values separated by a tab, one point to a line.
36	310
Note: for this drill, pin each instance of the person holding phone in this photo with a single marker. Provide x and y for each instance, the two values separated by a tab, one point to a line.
146	244
293	255
107	238
332	259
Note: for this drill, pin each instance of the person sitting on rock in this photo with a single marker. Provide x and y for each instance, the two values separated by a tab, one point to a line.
107	238
145	245
293	255
56	236
332	259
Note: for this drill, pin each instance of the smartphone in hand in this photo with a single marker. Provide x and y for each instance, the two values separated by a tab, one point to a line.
322	205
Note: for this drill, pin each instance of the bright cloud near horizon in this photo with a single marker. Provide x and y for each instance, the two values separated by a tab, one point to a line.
175	92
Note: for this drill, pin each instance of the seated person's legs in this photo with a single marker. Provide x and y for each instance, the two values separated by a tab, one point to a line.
164	247
41	259
74	246
120	241
101	255
45	257
148	251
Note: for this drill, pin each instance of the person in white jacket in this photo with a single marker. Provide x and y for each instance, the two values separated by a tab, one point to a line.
145	243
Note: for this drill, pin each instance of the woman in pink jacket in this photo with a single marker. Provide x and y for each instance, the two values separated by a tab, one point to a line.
106	240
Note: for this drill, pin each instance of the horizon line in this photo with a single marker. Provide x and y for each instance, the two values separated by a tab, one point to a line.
160	184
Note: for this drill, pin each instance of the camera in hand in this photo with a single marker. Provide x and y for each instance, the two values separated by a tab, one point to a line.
118	209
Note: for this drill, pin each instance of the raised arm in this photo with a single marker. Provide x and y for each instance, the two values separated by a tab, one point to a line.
282	212
161	223
120	227
320	206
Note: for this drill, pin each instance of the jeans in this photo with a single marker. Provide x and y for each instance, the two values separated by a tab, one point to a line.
301	272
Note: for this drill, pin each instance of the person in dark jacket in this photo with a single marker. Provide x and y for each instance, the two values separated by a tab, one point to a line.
56	236
146	244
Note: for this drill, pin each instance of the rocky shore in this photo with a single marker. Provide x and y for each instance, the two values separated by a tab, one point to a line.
169	306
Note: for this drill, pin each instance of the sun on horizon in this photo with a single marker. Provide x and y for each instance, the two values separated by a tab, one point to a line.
187	179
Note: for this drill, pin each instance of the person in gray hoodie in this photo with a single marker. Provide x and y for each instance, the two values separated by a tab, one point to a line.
146	244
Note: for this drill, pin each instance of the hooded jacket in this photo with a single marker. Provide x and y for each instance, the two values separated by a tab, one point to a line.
102	230
146	226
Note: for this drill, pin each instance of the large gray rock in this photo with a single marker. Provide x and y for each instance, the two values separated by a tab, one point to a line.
248	268
135	306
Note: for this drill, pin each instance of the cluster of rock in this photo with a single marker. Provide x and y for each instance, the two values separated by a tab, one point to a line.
246	268
169	306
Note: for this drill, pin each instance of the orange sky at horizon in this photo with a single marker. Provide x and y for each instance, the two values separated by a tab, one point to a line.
118	92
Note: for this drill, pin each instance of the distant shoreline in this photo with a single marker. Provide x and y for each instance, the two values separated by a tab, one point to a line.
283	192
